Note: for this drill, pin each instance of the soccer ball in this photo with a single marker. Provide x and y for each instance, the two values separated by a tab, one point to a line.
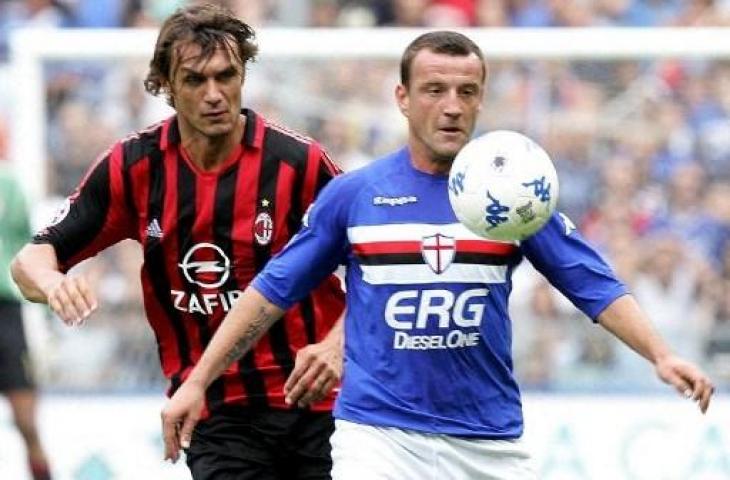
503	186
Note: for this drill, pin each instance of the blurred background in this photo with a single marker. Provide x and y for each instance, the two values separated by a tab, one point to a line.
642	147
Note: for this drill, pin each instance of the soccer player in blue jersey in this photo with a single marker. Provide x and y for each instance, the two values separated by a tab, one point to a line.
428	388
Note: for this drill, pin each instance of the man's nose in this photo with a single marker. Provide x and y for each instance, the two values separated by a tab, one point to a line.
212	92
452	104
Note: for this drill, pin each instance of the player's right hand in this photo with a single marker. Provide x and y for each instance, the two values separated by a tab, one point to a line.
687	379
179	417
72	299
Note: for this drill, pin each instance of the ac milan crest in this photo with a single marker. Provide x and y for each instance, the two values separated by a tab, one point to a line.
438	251
263	228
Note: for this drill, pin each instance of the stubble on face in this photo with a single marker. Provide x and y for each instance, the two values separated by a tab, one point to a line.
206	89
441	102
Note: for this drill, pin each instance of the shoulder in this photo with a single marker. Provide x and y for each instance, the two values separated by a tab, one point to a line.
286	134
288	144
141	143
364	178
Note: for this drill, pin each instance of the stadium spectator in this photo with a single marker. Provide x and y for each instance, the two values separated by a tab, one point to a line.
211	194
400	306
16	374
492	13
655	115
677	285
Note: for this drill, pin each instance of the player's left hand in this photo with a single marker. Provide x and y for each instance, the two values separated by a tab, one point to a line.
317	370
179	417
687	378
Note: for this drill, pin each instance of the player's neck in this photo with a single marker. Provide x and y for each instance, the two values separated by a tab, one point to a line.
424	160
208	152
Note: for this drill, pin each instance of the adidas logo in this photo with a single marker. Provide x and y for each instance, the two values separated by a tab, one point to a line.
153	229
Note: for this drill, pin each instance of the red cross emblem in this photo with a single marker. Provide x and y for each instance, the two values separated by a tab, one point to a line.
438	251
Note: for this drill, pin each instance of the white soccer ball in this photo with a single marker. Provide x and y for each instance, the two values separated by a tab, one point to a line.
503	186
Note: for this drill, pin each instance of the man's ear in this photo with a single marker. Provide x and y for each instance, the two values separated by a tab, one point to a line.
401	98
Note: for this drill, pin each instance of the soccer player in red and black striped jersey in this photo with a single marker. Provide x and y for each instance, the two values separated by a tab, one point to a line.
210	194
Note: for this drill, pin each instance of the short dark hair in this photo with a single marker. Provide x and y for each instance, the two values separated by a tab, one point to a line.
208	26
443	41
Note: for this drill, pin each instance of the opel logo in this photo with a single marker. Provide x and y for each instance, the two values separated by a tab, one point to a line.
206	273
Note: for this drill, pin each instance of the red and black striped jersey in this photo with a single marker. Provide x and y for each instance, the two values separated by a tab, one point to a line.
205	235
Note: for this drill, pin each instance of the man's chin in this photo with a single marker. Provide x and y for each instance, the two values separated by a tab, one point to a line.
219	130
447	155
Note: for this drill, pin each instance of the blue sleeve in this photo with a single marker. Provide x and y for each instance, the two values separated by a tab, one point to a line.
574	267
314	252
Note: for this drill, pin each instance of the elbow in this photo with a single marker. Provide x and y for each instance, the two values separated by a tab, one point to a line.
18	271
22	271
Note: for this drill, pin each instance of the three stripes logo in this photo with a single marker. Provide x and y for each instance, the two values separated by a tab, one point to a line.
153	229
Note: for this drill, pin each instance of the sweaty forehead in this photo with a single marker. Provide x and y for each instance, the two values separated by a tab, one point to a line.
191	56
430	66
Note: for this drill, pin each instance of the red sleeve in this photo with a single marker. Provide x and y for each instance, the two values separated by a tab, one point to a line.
95	216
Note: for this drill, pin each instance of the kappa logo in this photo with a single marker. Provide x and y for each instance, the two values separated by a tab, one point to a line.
567	223
438	251
305	217
210	273
394	201
263	228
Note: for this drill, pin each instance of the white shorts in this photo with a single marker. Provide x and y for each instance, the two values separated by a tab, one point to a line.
364	452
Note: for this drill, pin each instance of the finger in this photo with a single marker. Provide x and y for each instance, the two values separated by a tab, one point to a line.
64	295
313	392
696	382
87	296
169	436
57	307
680	384
186	432
706	397
77	290
56	302
300	366
303	384
324	391
700	385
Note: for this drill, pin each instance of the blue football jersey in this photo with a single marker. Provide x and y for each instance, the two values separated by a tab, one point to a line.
427	332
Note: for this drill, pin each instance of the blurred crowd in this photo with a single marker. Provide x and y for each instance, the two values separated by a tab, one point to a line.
377	13
641	148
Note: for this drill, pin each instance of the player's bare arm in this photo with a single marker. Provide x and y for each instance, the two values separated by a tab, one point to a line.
36	272
262	321
317	368
247	321
625	319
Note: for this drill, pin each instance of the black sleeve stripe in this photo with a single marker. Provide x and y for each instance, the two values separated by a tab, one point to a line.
87	214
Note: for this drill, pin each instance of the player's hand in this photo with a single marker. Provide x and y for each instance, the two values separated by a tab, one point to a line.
687	378
72	299
179	417
317	370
